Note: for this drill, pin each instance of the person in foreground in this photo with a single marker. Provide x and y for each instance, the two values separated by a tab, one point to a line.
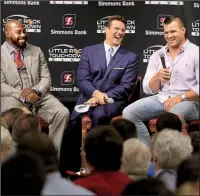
175	88
42	145
25	80
103	151
107	70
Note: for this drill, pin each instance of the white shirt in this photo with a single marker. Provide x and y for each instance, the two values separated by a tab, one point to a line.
107	47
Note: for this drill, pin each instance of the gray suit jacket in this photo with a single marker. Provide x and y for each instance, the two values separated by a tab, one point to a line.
36	67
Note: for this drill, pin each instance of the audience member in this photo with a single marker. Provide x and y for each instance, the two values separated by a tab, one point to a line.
195	141
6	142
169	148
125	128
9	116
41	144
23	174
136	158
188	171
103	150
143	187
168	120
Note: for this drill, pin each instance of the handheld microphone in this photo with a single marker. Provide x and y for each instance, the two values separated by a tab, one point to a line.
162	57
108	100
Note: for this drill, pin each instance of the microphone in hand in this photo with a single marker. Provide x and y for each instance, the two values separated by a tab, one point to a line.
108	99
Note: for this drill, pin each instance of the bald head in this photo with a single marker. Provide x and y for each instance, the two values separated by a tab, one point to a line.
15	33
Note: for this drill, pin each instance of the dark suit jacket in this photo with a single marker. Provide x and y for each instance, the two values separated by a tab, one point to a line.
105	183
116	80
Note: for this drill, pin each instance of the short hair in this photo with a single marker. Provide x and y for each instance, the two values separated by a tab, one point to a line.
194	135
23	174
41	144
147	187
125	128
103	148
188	170
170	148
136	157
172	18
168	120
6	141
24	124
115	17
9	117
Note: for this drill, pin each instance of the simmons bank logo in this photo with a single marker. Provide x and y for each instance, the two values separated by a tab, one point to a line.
130	25
195	28
164	2
160	20
69	2
68	25
65	53
149	51
31	25
67	78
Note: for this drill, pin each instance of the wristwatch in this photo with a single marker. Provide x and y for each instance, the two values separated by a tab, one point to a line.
183	97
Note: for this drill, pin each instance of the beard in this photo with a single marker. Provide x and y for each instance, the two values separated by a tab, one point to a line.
18	43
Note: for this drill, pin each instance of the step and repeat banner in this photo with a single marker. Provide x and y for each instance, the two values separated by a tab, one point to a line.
63	28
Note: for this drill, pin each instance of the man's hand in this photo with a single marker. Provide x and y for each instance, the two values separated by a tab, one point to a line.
172	101
92	101
163	75
26	91
99	96
32	98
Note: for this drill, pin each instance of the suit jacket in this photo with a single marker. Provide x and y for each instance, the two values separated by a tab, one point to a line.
36	67
116	80
105	183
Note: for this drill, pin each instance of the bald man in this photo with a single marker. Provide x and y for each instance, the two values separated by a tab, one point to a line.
25	80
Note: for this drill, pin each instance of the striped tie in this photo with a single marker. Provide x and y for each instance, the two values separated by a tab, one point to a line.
109	55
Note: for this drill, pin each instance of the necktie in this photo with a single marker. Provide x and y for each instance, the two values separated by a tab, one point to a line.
18	59
109	55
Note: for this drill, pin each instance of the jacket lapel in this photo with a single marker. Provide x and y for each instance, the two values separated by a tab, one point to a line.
27	61
116	58
101	56
9	61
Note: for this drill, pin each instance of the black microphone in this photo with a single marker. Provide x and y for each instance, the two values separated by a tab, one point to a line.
162	57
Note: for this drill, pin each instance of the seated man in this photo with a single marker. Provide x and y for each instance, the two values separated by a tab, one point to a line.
107	70
25	79
174	88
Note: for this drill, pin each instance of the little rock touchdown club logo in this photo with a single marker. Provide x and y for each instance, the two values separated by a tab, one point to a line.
130	26
65	53
149	51
30	24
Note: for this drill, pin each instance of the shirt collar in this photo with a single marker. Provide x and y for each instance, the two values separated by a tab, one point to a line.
107	47
11	49
184	46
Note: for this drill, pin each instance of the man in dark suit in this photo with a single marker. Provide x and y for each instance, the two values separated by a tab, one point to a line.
106	70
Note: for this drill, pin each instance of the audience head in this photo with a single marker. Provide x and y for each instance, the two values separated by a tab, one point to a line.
136	158
24	124
41	144
8	117
115	30
195	141
169	148
15	34
103	148
125	128
168	120
147	187
23	174
188	170
6	142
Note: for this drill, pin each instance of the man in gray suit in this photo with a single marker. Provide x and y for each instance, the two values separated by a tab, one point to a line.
25	80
